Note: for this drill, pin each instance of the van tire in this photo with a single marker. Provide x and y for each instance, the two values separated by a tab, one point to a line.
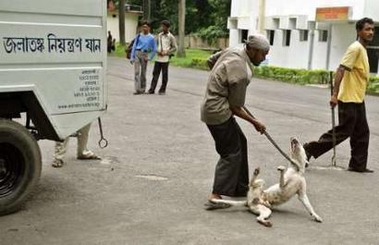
20	165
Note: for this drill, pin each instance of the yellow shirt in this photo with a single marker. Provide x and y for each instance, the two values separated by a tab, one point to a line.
356	77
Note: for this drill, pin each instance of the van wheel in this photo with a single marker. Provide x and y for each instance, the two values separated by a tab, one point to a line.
20	165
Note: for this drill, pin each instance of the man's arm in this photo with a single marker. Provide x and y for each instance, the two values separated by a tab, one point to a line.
133	53
211	61
154	48
337	82
173	45
241	113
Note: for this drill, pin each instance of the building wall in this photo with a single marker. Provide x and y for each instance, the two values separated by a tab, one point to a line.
244	8
308	7
371	9
319	53
246	16
131	23
342	36
294	56
298	15
199	43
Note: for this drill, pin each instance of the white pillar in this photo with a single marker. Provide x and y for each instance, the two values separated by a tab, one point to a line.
261	16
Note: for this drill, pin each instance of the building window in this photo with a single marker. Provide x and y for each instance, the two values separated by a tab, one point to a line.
303	35
286	38
271	36
322	35
244	34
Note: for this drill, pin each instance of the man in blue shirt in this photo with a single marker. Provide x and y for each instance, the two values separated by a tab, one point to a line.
144	49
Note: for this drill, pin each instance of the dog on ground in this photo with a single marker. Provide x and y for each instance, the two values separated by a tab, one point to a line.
291	182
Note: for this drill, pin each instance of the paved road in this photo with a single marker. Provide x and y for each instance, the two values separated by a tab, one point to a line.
156	173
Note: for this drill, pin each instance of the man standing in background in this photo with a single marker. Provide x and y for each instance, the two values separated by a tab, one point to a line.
144	49
350	83
166	47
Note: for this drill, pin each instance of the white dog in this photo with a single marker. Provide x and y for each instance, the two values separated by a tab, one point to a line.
292	181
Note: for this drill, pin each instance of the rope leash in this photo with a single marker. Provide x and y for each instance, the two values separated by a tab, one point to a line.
272	140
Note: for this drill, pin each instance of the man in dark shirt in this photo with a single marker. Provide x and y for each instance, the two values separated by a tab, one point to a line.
224	98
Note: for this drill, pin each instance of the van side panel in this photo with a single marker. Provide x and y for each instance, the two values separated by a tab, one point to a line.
59	49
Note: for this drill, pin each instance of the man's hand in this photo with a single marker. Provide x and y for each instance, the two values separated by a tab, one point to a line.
259	126
239	112
333	101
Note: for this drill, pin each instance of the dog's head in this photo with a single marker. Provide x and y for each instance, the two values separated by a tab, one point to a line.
298	154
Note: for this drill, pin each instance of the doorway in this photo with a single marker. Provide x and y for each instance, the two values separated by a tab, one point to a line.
373	52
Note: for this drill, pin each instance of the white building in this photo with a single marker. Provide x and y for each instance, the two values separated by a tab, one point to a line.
132	15
310	34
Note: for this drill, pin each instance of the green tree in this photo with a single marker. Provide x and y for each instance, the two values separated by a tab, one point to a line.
182	21
121	21
220	11
207	18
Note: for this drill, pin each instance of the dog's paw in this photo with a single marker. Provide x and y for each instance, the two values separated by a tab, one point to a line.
264	222
281	168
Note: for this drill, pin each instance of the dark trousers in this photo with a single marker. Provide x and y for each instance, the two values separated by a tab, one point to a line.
352	123
158	67
232	171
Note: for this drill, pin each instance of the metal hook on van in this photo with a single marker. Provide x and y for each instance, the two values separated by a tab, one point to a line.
102	142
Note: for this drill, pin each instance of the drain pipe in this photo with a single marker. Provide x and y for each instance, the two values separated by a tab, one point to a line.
311	46
329	46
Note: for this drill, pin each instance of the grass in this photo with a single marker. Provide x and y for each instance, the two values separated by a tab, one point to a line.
119	52
192	55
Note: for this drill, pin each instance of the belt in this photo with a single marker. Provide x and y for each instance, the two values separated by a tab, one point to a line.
142	50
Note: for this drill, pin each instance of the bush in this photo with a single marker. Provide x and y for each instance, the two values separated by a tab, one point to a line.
303	76
212	33
373	86
299	76
199	63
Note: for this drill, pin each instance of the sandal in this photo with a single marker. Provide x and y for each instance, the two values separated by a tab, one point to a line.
89	156
58	163
212	205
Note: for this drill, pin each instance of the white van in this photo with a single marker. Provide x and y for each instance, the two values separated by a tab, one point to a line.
52	71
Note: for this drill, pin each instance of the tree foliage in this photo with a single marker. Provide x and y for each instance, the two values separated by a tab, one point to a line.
207	18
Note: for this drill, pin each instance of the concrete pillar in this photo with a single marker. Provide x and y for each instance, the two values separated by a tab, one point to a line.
261	16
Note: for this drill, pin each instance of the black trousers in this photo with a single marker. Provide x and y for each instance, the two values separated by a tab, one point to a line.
232	170
352	123
158	67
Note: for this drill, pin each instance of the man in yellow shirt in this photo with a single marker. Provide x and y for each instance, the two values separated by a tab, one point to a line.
351	80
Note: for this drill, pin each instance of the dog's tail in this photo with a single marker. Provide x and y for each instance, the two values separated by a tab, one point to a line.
229	202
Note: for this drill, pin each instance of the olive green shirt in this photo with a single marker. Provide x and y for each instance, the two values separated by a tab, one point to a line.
226	86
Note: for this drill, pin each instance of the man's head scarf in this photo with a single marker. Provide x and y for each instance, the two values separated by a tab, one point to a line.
258	41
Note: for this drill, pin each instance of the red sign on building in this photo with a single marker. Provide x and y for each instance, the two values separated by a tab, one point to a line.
333	14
